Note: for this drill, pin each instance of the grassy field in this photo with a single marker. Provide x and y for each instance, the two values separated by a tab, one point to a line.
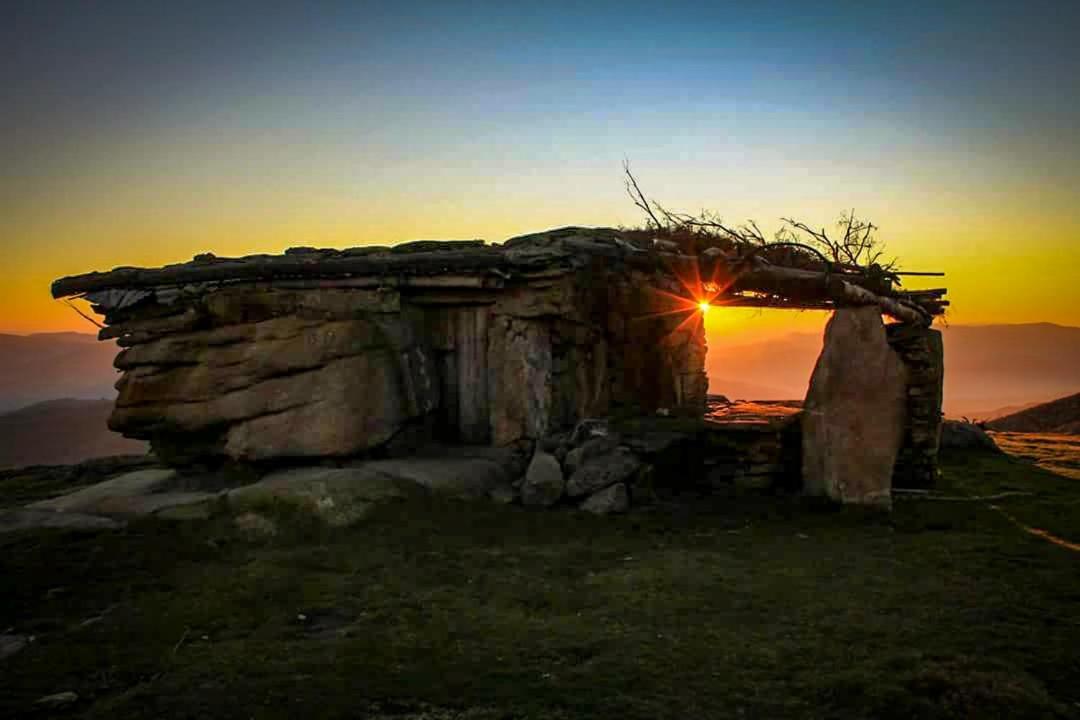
742	607
1057	453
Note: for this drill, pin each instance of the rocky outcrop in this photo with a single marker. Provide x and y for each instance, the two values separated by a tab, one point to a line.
289	374
374	353
340	496
342	353
855	413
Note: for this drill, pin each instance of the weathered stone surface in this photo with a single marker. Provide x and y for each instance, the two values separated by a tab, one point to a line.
520	372
855	412
114	492
348	405
323	352
58	700
614	499
339	495
544	481
591	448
11	644
966	436
25	519
466	477
601	472
922	351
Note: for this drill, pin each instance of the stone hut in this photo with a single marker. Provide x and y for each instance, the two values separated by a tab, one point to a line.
335	354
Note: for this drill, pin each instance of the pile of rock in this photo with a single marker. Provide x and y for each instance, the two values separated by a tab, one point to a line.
593	467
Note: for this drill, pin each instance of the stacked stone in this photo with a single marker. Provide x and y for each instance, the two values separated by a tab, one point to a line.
922	352
758	456
601	469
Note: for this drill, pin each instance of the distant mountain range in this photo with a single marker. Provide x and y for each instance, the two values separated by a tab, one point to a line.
61	432
47	366
1058	416
990	370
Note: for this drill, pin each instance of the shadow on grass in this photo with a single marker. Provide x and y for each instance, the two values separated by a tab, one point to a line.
738	607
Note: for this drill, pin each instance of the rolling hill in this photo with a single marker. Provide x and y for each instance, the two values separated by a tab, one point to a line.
47	366
1057	416
61	432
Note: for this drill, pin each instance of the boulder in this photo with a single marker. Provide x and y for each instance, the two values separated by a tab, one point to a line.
465	477
11	644
58	700
601	472
855	412
339	495
13	520
966	436
544	482
592	447
111	493
274	373
614	499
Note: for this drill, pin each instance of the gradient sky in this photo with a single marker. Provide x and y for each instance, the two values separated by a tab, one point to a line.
142	133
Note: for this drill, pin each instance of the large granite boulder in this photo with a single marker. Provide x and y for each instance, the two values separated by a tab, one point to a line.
855	412
276	374
340	496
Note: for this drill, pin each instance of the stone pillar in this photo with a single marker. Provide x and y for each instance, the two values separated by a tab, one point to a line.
856	412
922	352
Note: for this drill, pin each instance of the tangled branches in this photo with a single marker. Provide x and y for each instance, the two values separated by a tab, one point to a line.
857	249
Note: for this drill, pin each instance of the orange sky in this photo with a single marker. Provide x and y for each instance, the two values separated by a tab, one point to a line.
993	273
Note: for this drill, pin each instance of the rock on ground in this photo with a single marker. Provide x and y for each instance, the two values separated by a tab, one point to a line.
614	499
467	477
58	700
95	497
855	412
27	519
544	481
11	644
601	472
340	495
966	436
590	448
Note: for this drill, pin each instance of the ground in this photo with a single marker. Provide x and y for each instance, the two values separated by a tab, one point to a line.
742	607
1057	453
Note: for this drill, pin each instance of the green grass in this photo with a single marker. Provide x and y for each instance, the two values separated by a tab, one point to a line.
745	607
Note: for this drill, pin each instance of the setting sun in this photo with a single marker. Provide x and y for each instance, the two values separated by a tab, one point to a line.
703	306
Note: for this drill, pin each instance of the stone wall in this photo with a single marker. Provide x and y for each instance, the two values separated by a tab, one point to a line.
258	372
922	352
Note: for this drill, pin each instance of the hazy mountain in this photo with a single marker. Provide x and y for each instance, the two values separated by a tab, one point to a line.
61	432
46	366
989	369
1058	416
986	366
